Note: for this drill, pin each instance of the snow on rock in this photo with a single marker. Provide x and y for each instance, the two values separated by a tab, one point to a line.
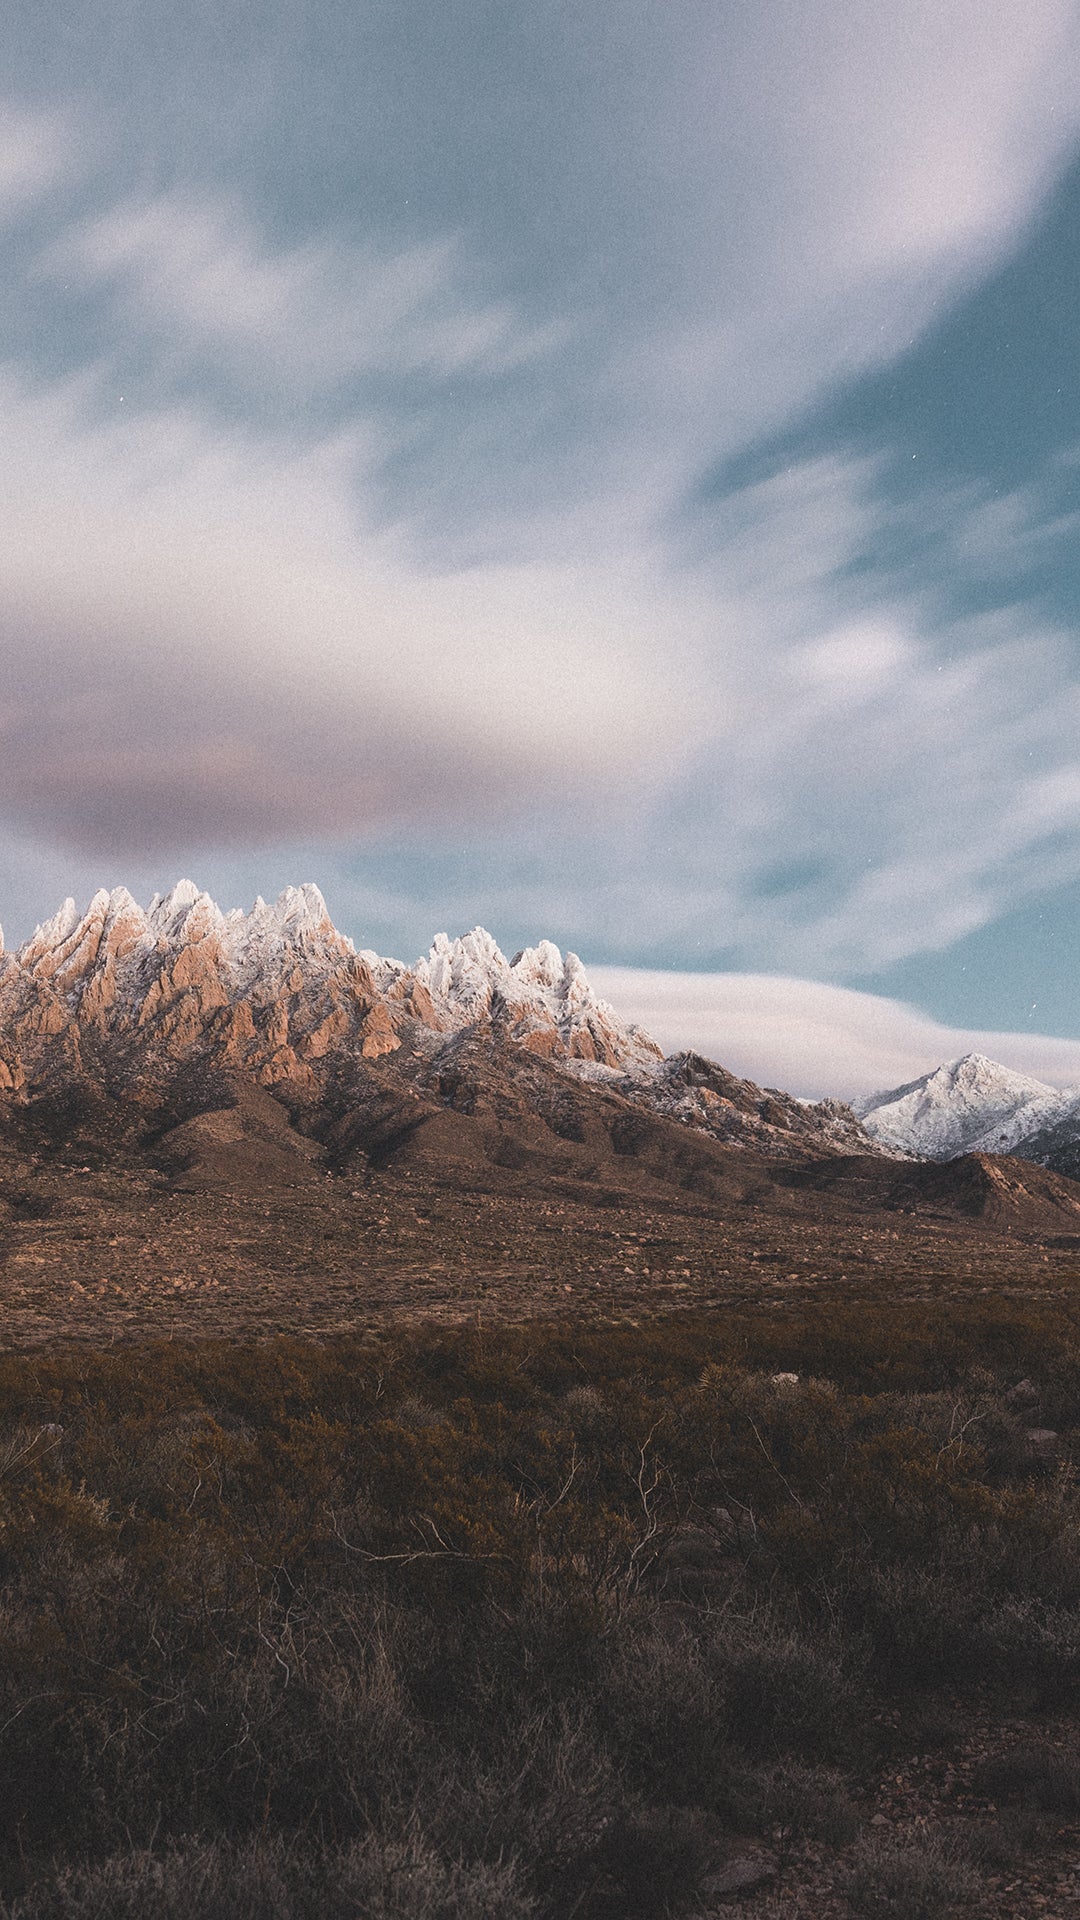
274	937
542	1000
182	915
971	1105
69	950
278	987
460	974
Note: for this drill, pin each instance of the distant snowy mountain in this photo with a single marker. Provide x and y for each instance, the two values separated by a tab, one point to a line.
972	1105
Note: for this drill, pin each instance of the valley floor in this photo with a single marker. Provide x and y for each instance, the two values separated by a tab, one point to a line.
392	1545
101	1255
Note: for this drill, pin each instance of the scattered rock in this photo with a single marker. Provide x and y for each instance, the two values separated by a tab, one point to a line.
744	1875
1024	1394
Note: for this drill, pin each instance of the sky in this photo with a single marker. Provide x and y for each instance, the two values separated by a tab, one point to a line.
605	472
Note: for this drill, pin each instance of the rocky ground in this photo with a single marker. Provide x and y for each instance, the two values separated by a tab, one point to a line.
997	1795
102	1253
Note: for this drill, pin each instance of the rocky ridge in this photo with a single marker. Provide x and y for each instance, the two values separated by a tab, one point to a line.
276	990
135	1001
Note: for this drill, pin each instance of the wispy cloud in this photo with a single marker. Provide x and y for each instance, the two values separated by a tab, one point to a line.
839	191
37	150
885	772
195	271
199	641
815	1040
789	760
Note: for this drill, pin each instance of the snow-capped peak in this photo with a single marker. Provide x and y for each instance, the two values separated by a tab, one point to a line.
969	1105
472	975
166	906
463	976
542	963
273	935
183	914
69	946
51	932
302	910
539	995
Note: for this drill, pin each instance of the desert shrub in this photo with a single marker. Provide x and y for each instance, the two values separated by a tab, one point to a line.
663	1712
538	1603
898	1877
791	1802
1033	1640
414	1411
1004	1839
586	1412
546	1791
926	1622
263	1880
652	1861
972	1419
690	1712
787	1691
1036	1779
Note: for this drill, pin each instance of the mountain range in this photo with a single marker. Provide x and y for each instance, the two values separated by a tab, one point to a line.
160	1020
157	1010
214	1123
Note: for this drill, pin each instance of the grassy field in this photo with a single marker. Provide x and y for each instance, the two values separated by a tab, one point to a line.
547	1621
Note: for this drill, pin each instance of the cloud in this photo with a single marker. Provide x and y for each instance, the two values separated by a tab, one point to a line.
207	640
199	642
348	470
884	773
814	1040
822	199
790	757
194	271
696	223
36	151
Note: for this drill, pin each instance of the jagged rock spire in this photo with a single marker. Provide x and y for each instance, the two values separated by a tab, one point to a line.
285	988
